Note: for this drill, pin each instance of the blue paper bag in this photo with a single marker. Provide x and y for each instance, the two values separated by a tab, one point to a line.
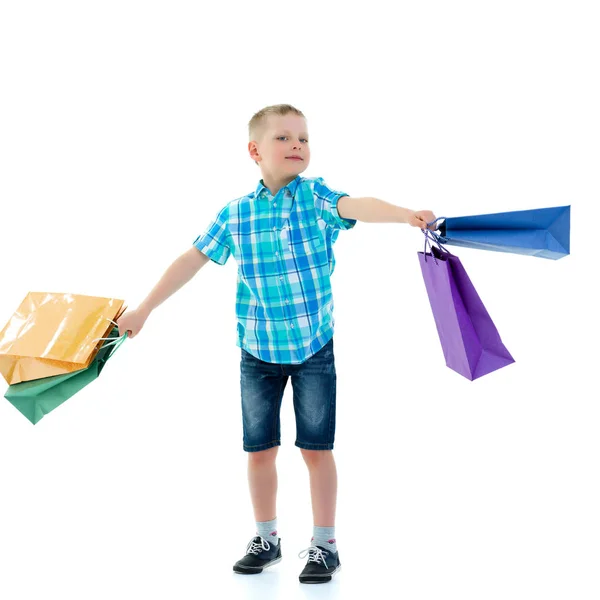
541	232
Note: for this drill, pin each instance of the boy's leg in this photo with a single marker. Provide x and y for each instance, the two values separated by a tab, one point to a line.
262	387
315	386
262	479
323	485
321	566
264	549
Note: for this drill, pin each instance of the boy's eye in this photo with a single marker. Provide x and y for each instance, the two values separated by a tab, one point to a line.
284	136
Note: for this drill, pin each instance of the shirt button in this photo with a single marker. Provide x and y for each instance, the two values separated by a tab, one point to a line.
276	253
292	326
274	228
281	277
287	301
274	203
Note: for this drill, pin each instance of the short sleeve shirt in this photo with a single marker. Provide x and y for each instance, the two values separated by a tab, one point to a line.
283	246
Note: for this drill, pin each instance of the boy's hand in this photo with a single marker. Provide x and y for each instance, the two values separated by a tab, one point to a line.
131	321
420	219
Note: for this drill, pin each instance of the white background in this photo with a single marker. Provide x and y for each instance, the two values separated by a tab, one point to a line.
123	131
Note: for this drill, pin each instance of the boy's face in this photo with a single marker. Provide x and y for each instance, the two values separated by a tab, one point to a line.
283	137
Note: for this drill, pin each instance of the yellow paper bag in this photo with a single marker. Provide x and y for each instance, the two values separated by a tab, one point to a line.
52	334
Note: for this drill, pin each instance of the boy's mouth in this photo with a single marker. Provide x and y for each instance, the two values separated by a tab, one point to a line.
294	158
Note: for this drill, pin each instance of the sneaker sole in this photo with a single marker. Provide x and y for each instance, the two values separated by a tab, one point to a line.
255	570
317	579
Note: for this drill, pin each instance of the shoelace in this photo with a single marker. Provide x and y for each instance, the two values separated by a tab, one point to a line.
315	554
255	547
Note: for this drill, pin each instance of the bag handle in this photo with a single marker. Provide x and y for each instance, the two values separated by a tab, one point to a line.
439	236
431	235
116	343
120	340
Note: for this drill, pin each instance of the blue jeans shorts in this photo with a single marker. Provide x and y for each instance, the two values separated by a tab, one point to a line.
313	382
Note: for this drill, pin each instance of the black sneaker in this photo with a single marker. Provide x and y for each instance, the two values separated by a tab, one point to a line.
321	565
260	554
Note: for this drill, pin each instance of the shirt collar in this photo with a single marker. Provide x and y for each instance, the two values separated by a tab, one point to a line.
291	186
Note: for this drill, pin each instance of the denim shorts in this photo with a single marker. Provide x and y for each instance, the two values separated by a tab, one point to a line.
313	382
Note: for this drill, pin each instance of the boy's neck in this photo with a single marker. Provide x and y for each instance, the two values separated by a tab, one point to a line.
274	183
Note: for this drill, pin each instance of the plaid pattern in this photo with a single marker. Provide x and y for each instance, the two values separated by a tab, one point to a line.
283	247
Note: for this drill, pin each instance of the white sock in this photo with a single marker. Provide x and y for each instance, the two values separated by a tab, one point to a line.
324	537
268	530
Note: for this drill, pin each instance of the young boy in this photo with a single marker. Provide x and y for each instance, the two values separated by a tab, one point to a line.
281	235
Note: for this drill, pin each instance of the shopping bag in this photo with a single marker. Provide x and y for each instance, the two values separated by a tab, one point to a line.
470	341
53	334
38	397
542	232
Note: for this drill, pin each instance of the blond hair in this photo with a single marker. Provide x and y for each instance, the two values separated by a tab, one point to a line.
257	123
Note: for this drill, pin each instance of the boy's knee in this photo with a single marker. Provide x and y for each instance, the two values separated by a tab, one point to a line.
267	455
311	456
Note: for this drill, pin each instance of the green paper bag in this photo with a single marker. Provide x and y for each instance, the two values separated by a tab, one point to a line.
38	397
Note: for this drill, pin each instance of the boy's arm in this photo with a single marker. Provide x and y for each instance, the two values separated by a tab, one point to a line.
174	278
373	210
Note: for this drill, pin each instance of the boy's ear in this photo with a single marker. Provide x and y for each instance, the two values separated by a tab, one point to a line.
252	147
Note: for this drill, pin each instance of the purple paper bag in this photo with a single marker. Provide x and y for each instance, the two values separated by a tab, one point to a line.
469	338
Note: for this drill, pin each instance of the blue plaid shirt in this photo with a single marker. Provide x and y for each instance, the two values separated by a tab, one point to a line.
283	247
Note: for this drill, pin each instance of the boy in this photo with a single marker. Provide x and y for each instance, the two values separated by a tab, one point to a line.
281	236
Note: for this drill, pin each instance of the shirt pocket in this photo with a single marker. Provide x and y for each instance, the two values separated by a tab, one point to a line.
317	239
305	240
319	249
284	239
